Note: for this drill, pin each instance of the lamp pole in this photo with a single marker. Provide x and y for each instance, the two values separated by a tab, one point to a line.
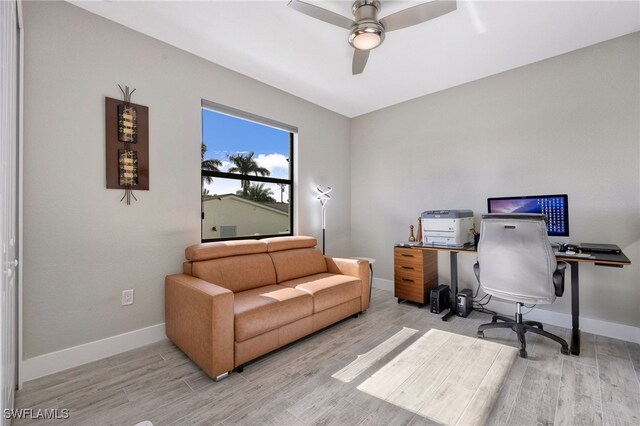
323	197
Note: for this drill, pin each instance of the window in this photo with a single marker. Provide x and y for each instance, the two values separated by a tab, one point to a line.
228	231
246	175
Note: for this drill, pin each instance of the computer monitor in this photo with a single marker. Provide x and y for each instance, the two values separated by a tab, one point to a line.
556	207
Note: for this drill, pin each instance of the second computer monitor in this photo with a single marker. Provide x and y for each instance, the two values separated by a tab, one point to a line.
556	207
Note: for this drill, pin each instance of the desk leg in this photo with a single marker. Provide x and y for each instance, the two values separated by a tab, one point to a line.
575	309
453	259
370	281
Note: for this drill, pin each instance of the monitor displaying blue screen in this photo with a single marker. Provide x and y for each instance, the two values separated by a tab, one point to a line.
556	207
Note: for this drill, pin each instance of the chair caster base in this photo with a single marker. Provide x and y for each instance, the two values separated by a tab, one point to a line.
523	353
564	351
480	335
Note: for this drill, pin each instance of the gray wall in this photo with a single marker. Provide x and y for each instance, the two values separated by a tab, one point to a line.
569	124
82	246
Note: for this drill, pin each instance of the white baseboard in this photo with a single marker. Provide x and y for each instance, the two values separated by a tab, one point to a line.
590	325
64	359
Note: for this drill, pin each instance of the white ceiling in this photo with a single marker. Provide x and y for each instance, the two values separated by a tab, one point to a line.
277	45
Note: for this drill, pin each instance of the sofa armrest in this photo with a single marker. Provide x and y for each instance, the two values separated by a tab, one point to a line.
199	320
355	268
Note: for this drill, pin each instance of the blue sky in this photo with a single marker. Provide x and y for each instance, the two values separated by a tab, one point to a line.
226	135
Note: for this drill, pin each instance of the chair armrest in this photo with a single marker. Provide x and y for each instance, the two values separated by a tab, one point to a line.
357	268
199	320
558	278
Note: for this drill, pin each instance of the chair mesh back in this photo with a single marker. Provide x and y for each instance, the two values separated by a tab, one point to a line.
516	259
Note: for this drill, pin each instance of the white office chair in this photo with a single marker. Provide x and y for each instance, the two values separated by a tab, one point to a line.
516	262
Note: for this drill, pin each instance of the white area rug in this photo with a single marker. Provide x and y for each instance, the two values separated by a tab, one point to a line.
364	361
448	378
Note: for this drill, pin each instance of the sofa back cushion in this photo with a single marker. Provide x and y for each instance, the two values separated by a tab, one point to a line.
206	251
237	273
288	243
296	263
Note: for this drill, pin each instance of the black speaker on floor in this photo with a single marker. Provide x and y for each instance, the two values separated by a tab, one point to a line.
464	300
440	299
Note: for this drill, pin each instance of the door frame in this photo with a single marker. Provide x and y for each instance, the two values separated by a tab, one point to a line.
20	180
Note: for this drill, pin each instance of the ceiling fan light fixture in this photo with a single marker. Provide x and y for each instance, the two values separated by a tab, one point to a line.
367	31
366	37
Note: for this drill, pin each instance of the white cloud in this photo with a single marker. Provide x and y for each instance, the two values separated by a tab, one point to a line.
277	164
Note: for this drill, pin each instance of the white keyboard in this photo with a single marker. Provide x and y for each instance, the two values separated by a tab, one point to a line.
582	255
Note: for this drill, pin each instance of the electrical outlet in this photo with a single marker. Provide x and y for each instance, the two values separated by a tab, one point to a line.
127	297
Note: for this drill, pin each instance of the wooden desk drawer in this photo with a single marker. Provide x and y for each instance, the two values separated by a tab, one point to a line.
407	268
415	273
410	291
408	257
409	279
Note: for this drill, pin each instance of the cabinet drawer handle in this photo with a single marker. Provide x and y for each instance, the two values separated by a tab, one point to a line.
407	279
407	255
407	267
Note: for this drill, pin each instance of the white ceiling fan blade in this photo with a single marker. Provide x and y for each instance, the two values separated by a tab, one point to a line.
322	14
360	58
417	14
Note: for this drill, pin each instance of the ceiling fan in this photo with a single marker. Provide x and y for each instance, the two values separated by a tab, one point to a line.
367	31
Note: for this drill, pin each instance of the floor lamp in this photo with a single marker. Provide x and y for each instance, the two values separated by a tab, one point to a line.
323	196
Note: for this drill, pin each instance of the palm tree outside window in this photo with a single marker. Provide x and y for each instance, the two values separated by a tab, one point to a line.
211	164
246	165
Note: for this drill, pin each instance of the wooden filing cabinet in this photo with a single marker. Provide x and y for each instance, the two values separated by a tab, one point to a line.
415	274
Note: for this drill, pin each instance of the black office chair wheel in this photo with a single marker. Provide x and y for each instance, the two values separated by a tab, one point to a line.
565	351
481	334
523	353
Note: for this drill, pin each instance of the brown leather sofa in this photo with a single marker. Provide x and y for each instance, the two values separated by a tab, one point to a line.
238	300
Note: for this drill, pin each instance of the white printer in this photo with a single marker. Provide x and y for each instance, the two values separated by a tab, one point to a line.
448	228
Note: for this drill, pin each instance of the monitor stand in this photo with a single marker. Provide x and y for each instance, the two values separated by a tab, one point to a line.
556	242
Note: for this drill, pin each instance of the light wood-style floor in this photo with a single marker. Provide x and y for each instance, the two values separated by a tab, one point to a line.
293	386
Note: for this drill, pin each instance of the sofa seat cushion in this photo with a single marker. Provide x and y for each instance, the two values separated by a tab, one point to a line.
328	290
267	308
